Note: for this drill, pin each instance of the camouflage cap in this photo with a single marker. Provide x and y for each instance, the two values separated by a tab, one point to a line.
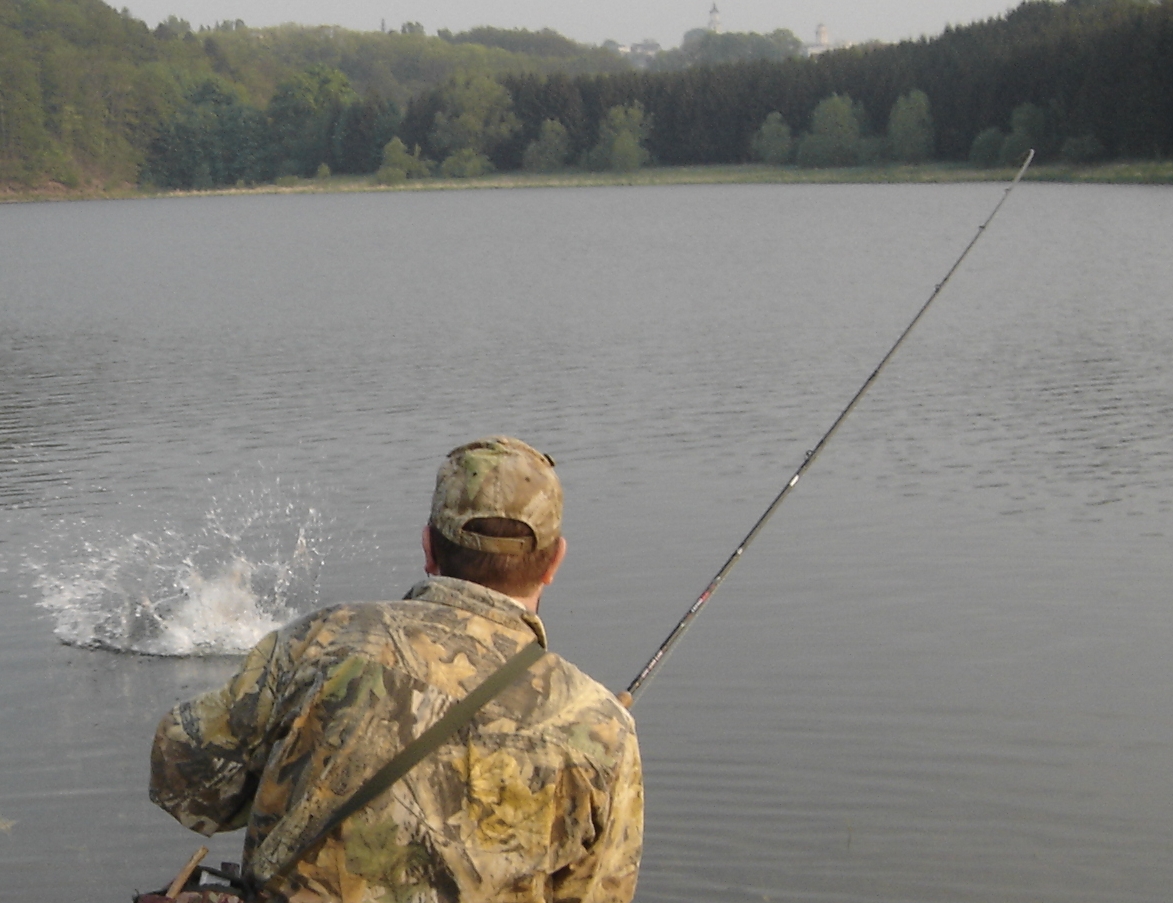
498	477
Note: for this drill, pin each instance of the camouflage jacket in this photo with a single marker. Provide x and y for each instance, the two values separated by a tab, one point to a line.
539	799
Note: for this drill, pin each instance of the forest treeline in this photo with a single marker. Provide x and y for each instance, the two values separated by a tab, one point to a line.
1084	79
88	94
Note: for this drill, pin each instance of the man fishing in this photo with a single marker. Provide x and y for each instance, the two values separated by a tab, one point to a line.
538	797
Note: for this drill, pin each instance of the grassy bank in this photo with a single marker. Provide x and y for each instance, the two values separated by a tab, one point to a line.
1141	172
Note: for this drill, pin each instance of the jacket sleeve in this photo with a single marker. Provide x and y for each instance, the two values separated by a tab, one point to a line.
608	872
204	759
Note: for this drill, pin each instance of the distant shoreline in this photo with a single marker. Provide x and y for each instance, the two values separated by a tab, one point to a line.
1119	173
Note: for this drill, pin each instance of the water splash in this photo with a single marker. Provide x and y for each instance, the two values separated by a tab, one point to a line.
251	568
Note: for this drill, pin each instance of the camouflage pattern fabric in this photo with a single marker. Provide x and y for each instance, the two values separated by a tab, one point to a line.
539	799
498	477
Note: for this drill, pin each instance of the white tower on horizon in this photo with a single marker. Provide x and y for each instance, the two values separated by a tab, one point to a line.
715	20
822	41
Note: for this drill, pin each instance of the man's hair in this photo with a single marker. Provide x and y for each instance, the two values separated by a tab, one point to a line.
513	575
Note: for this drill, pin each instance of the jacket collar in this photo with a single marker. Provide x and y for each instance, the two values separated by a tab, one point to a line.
480	600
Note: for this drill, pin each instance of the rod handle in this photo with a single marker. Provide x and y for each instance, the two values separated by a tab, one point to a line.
185	872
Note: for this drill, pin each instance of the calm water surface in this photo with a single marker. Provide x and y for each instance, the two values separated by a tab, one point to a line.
941	674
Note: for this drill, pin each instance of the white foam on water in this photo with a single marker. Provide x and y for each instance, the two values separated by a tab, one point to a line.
215	592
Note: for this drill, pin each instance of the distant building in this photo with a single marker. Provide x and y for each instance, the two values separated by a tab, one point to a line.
715	20
641	54
823	42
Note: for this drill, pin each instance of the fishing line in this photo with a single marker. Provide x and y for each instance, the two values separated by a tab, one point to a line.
633	689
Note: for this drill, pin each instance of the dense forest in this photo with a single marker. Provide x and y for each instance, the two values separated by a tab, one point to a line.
92	96
87	93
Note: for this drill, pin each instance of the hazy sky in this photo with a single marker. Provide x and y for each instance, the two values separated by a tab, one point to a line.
594	21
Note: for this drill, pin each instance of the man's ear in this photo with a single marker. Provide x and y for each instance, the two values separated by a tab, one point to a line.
548	577
430	567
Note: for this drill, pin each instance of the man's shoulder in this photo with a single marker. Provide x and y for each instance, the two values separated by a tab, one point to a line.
347	621
580	690
581	711
455	650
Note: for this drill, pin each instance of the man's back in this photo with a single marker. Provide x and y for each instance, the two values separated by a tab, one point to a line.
539	799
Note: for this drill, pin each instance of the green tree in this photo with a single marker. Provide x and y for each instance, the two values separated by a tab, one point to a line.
465	163
173	28
1084	149
910	128
627	154
772	143
214	138
537	99
622	133
399	165
361	132
24	140
547	43
304	111
987	147
834	136
549	152
1028	124
476	114
702	47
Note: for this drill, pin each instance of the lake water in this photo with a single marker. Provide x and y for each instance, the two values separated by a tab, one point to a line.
942	673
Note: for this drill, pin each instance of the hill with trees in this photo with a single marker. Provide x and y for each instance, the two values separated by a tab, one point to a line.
91	95
702	47
1083	80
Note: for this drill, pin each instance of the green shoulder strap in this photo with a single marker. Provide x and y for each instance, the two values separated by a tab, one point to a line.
453	720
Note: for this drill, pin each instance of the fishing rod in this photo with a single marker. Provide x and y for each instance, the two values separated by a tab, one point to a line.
633	689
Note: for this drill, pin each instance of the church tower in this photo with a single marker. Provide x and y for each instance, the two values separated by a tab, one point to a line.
714	20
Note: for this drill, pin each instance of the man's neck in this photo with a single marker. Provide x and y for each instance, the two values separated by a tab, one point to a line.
530	603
